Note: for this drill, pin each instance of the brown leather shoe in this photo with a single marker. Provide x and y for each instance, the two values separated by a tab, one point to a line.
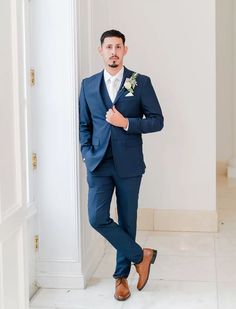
143	268
122	289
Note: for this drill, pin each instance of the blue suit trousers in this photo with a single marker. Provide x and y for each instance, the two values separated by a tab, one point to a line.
122	234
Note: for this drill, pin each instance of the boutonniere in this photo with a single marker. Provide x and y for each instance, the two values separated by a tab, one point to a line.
131	83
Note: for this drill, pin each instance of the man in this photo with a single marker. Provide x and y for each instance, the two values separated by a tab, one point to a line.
116	106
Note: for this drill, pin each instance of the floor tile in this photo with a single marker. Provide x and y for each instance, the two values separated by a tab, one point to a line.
227	221
227	295
226	269
36	307
98	294
186	244
225	244
189	271
182	268
106	267
174	295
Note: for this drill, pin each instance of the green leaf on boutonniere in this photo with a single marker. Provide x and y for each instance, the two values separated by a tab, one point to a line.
131	83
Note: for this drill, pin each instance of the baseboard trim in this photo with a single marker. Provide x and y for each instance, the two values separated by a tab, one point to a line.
93	255
177	220
221	167
61	281
71	275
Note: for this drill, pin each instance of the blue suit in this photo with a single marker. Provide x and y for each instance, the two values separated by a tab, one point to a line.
114	159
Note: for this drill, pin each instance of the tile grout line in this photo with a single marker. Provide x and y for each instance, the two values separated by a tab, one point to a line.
215	255
216	272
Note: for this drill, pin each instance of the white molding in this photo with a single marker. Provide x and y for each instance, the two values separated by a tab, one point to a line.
14	212
12	223
10	211
55	270
68	28
56	259
177	220
61	281
23	268
17	100
231	172
221	167
90	38
186	220
0	209
150	219
53	275
33	288
93	256
1	278
72	33
231	169
145	220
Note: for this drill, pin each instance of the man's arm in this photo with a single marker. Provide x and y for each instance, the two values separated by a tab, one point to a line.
153	120
85	123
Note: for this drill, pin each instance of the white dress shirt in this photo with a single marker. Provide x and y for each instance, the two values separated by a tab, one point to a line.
118	79
108	81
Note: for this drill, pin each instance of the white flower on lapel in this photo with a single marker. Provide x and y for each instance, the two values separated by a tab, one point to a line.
131	83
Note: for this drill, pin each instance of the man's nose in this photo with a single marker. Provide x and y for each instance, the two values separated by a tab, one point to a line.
113	51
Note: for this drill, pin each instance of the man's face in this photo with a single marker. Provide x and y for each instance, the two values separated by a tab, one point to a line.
113	51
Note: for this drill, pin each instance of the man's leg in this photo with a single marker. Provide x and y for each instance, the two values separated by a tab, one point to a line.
100	193
127	192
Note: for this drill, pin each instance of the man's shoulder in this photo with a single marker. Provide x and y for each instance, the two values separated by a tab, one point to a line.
139	75
92	77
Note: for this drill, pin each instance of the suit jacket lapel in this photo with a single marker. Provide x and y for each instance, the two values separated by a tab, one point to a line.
127	74
96	86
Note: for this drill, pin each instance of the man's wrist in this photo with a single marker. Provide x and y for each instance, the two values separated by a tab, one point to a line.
126	126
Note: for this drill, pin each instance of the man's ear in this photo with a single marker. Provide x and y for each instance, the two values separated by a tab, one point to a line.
126	49
100	50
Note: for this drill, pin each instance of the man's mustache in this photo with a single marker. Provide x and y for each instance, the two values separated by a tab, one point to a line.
114	58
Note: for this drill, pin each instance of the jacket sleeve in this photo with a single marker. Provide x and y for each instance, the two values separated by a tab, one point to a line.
85	123
153	120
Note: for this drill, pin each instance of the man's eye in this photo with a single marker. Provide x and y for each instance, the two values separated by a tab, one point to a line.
109	46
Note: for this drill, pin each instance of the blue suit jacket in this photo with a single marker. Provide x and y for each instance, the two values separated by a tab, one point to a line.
143	112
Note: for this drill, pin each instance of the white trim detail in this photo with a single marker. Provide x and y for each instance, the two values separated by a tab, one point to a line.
177	220
231	170
221	168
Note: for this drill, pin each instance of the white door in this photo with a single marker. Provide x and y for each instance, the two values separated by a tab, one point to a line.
15	206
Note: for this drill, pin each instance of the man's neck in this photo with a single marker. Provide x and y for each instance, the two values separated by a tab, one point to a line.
113	71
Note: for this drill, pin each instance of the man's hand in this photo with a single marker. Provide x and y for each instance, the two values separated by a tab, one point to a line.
116	118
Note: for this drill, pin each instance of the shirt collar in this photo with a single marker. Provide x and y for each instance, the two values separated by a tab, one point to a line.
118	76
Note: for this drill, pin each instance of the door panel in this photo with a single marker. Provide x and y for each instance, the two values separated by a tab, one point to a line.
14	190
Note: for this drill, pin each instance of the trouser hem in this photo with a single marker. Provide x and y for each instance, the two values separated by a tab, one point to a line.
120	276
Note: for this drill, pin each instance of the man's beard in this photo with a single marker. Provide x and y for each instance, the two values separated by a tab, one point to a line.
113	65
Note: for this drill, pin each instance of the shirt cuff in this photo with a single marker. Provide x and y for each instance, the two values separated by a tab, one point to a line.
127	128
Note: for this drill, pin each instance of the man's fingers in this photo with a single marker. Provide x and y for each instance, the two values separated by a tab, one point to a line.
109	113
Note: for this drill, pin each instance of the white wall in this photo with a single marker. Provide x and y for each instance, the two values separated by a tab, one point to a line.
54	124
174	43
92	246
224	79
234	83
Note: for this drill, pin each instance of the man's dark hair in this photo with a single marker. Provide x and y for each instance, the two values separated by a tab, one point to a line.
111	33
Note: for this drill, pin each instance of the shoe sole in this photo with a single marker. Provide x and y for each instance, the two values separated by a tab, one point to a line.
154	255
122	299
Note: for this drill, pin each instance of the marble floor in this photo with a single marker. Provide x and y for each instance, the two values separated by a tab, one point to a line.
192	270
